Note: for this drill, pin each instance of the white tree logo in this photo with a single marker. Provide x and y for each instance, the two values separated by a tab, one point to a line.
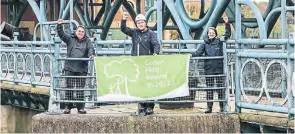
122	76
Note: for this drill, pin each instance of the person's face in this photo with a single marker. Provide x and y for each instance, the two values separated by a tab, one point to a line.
80	33
211	34
141	25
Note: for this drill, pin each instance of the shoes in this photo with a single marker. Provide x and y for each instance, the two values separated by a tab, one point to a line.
149	111
67	111
81	111
209	110
142	111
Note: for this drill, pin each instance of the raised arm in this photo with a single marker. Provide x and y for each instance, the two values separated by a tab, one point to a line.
123	26
63	36
227	33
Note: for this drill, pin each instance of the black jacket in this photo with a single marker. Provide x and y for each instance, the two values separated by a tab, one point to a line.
213	48
146	41
76	49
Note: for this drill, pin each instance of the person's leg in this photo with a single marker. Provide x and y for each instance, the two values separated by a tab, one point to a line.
80	94
150	108
221	92
209	95
142	108
68	93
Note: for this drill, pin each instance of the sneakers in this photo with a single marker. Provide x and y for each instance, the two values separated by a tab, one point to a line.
149	111
81	111
67	111
209	110
146	111
142	111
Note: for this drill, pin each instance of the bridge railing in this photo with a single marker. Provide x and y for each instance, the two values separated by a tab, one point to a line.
83	89
262	76
25	62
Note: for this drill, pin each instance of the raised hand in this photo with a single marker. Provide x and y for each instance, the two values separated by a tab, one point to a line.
225	19
125	15
59	21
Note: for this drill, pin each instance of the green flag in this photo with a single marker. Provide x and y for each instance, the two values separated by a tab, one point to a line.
136	78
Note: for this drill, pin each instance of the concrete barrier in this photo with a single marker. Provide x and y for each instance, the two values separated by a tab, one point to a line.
124	123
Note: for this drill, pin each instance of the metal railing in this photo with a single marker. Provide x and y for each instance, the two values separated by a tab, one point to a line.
262	76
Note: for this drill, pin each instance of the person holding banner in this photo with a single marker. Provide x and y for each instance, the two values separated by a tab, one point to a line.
78	46
144	42
213	46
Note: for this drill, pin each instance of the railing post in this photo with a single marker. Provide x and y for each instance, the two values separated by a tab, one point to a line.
226	106
54	107
238	34
15	46
290	80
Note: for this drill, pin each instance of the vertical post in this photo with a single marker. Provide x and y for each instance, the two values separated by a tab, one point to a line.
283	19
283	36
238	33
290	85
159	22
71	14
138	6
7	12
33	73
42	19
226	106
232	78
107	9
53	107
52	10
15	71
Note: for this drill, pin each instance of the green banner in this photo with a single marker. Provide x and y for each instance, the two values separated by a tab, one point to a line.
137	78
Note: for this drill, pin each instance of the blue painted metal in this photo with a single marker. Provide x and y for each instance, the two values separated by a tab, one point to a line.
36	9
138	6
110	17
265	107
194	24
20	14
256	11
238	34
160	21
86	14
80	15
106	10
71	13
61	8
216	15
176	16
149	13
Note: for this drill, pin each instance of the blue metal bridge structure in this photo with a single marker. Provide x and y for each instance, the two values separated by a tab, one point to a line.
259	74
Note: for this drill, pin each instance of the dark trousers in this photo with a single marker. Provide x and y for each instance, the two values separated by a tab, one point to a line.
221	92
73	83
147	105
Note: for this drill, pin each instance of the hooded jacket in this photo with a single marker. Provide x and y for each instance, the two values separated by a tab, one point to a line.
144	41
76	49
213	47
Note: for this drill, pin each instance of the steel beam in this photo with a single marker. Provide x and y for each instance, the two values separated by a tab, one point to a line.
180	24
194	24
110	18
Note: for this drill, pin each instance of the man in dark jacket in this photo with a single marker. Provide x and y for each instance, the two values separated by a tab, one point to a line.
144	42
212	46
78	46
